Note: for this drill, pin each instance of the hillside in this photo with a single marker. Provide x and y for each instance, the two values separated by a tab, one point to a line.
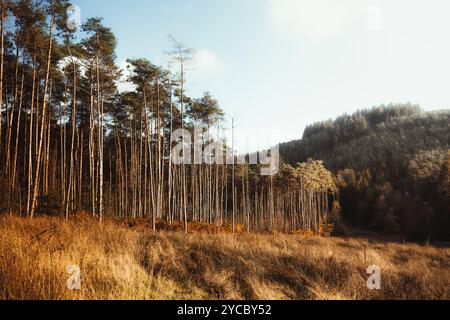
372	138
119	262
390	165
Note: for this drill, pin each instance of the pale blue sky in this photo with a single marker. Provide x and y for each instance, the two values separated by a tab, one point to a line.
282	64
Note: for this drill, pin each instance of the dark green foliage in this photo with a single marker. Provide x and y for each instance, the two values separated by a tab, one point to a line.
390	166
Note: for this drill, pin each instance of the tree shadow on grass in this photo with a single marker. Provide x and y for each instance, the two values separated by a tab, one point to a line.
227	273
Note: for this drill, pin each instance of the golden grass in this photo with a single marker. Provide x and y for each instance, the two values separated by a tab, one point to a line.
123	262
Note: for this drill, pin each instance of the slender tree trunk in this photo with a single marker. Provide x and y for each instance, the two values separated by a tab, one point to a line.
72	160
92	145
2	54
30	146
233	179
100	132
19	115
43	121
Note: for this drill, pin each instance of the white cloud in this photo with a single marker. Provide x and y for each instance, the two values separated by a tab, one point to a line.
206	62
308	18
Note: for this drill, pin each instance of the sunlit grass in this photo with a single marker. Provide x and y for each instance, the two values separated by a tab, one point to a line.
120	261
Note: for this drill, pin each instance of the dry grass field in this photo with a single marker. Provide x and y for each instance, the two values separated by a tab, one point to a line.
130	262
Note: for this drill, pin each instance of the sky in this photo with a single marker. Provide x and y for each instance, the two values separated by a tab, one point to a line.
276	66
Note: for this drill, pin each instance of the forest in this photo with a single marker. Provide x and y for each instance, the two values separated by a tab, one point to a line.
71	143
392	165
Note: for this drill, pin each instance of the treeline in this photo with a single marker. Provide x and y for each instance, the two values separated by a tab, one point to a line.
70	142
392	166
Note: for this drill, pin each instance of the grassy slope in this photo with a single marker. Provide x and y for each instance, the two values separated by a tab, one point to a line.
118	262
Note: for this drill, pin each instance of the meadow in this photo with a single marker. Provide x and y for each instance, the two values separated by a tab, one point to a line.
130	261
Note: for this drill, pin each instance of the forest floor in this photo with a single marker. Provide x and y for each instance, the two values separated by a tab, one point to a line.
129	261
